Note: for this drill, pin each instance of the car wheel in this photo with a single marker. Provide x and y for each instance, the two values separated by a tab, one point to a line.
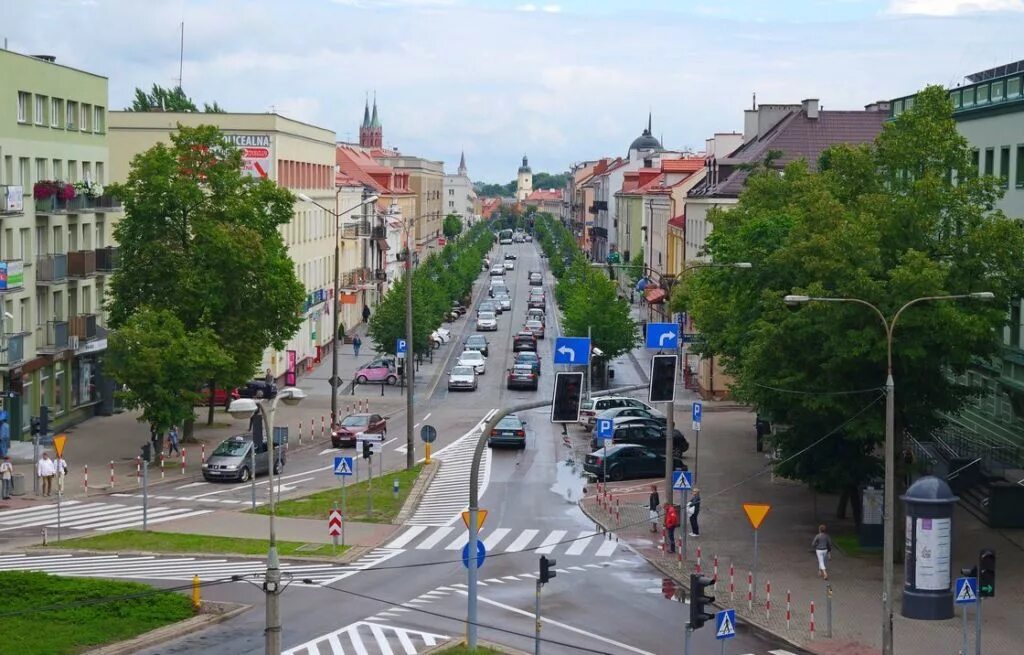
361	379
243	476
616	474
392	380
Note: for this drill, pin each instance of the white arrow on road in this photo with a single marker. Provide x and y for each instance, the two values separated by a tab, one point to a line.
566	350
669	336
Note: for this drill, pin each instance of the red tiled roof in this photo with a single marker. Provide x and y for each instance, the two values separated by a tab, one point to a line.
359	165
688	165
544	195
678	221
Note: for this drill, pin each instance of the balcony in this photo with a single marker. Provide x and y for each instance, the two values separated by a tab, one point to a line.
78	205
108	259
83	326
51	269
53	337
81	263
12	275
12	200
355	229
380	233
12	350
354	278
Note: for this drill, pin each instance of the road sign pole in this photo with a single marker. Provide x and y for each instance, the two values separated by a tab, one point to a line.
977	629
683	520
686	639
145	494
369	486
755	564
344	507
722	644
590	377
471	587
536	625
670	428
59	494
963	634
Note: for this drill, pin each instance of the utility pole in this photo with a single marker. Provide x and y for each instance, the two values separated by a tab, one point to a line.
410	443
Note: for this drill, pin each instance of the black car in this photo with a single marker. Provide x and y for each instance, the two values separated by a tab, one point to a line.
650	436
524	341
628	460
257	389
510	255
522	376
510	431
477	342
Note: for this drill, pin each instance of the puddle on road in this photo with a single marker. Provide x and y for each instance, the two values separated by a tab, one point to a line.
569	481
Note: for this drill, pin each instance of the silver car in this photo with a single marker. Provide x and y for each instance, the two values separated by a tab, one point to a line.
233	460
504	300
462	377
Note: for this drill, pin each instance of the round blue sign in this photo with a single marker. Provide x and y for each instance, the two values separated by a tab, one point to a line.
481	554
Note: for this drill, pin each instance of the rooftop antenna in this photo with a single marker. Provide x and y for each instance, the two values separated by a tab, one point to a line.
181	54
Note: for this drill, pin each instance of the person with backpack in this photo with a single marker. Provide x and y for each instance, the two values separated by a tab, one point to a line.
671	523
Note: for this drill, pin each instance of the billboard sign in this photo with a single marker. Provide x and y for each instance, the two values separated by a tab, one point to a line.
256	153
12	199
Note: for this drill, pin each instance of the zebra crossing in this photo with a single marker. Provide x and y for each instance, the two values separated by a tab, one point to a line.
83	515
184	568
447	494
504	540
366	637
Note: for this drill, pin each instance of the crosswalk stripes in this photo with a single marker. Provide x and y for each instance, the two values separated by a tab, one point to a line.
183	568
365	637
82	515
497	540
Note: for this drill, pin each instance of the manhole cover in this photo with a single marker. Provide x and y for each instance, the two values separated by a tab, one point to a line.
309	547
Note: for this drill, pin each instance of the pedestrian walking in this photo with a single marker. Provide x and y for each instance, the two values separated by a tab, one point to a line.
693	511
268	377
822	545
45	469
671	523
653	503
60	471
366	313
6	477
172	441
5	434
357	343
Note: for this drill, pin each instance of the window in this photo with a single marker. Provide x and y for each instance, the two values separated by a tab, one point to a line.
22	107
70	114
9	244
982	95
1013	87
86	170
990	161
86	117
58	169
1004	166
40	169
955	97
1020	167
1015	326
897	108
56	111
98	123
969	97
24	315
100	177
25	239
72	170
451	192
40	115
975	161
58	388
997	91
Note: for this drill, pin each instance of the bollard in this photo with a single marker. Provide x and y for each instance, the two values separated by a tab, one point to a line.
111	474
161	466
618	518
750	590
183	451
312	430
715	584
138	470
679	551
202	453
300	433
812	619
732	581
698	561
788	613
768	600
828	611
394	488
323	426
197	600
664	539
85	480
44	535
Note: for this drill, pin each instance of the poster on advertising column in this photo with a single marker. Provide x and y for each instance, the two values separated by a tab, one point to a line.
932	554
289	374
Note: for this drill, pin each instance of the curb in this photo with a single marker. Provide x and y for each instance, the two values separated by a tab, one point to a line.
506	650
353	553
419	489
211	613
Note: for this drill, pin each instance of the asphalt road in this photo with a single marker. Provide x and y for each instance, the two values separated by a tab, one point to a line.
605	598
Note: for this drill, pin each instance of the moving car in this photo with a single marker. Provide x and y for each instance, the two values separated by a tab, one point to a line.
510	255
626	460
510	431
536	279
524	341
497	286
462	377
645	435
591	408
257	389
510	265
528	357
473	358
478	342
522	376
486	322
492	306
346	432
504	301
381	370
232	459
535	301
534	314
536	327
529	238
497	271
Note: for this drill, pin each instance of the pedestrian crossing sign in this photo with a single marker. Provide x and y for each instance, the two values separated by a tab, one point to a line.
682	480
343	465
725	624
966	591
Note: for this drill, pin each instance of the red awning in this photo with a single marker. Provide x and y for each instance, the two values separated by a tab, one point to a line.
655	295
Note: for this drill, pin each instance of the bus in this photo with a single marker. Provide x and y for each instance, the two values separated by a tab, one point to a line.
505	237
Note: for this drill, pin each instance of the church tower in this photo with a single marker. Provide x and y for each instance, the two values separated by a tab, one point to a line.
463	171
524	181
371	134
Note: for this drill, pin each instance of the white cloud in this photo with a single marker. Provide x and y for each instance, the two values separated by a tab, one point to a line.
526	7
551	9
952	7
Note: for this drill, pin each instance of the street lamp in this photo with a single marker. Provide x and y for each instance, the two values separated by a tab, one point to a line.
243	408
337	283
888	545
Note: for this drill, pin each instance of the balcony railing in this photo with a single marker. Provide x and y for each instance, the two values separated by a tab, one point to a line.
79	205
82	263
380	233
12	349
51	269
12	200
108	259
53	337
356	229
83	326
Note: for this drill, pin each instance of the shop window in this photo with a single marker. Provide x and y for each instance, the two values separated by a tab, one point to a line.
83	381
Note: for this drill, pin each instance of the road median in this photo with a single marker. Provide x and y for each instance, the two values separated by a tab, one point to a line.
180	543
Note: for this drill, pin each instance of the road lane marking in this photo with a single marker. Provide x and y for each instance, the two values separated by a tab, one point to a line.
607	548
521	541
407	536
329	467
192	484
577	547
550	541
435	538
492	540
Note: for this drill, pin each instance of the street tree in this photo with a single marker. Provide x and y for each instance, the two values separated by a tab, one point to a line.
200	240
171	99
589	300
904	217
452	226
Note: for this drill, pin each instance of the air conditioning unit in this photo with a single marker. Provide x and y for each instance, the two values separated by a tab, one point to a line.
73	342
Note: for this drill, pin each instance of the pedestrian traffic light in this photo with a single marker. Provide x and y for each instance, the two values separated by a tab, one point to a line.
44	420
34	425
367	450
663	378
147	451
565	407
698	599
987	573
546	569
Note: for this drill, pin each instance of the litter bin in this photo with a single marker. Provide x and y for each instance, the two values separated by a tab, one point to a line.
18	484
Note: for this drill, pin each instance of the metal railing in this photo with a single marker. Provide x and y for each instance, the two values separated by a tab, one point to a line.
108	259
356	229
12	349
81	263
51	268
53	337
77	205
83	326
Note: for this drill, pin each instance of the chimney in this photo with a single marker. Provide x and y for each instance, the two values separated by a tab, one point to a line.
749	125
811	108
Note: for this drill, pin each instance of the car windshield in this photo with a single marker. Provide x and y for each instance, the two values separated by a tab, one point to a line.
534	324
510	423
527	357
232	448
487	315
472	356
462	370
355	421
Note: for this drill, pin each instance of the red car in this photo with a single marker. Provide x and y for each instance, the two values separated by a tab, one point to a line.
221	397
347	431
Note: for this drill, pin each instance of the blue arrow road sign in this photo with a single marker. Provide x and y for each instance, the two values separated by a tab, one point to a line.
481	554
682	480
725	624
572	350
401	347
662	335
966	591
605	428
344	465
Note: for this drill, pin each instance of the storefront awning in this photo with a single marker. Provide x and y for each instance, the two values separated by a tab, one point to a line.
655	295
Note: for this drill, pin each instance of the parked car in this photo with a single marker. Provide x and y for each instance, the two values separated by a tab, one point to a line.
534	314
346	431
497	271
221	397
591	408
524	341
382	370
440	336
645	435
629	411
510	431
257	389
478	342
529	238
510	265
536	327
458	308
528	357
536	279
473	358
521	376
486	322
623	461
232	460
462	377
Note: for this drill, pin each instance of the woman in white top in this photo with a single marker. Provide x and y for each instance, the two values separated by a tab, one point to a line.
6	478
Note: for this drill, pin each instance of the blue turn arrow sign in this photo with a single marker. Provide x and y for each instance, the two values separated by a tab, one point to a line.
572	350
662	336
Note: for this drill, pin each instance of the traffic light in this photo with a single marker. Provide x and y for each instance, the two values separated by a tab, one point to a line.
546	569
663	378
986	573
367	450
699	598
565	407
44	420
147	451
34	425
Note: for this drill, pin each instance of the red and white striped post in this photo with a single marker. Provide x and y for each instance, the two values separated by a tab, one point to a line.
618	518
750	590
138	470
161	466
768	600
698	561
715	586
732	581
202	453
183	451
323	426
111	474
789	614
312	430
85	479
664	541
679	551
812	619
300	433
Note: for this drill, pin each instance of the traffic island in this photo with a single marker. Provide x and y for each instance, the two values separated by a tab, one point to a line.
192	544
483	648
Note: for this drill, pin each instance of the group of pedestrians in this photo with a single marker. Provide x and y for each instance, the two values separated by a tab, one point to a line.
50	469
671	515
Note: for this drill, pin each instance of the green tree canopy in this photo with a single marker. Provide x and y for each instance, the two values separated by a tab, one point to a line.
168	99
887	223
452	226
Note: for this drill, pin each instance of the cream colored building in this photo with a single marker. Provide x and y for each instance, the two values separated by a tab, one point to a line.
297	156
426	179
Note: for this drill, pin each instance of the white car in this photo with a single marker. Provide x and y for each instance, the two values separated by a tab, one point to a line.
440	336
510	265
486	322
473	358
462	377
497	271
505	301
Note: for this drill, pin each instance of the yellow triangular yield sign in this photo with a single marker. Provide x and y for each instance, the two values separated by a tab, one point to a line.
756	513
481	516
58	444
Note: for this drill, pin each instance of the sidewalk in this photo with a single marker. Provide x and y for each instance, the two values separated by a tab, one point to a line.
727	476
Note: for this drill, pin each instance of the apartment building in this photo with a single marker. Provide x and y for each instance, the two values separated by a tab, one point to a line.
56	250
459	195
426	180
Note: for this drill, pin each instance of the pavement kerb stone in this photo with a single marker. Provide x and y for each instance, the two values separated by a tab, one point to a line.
210	613
353	553
419	488
441	648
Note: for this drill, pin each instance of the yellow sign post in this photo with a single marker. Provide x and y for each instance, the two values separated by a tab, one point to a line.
755	514
58	444
481	516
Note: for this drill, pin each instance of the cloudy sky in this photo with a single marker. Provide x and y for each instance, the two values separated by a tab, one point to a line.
559	80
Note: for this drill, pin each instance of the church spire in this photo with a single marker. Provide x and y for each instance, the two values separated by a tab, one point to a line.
462	164
366	112
375	122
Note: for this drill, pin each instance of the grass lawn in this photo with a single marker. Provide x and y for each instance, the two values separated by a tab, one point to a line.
74	629
174	542
849	544
463	649
385	505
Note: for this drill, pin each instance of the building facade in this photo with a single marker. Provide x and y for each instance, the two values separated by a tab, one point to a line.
524	181
459	196
56	241
545	200
296	156
426	179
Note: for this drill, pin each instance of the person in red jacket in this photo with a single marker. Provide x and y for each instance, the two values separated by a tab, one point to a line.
671	523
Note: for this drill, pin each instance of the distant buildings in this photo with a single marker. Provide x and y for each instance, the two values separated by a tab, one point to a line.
459	196
524	181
